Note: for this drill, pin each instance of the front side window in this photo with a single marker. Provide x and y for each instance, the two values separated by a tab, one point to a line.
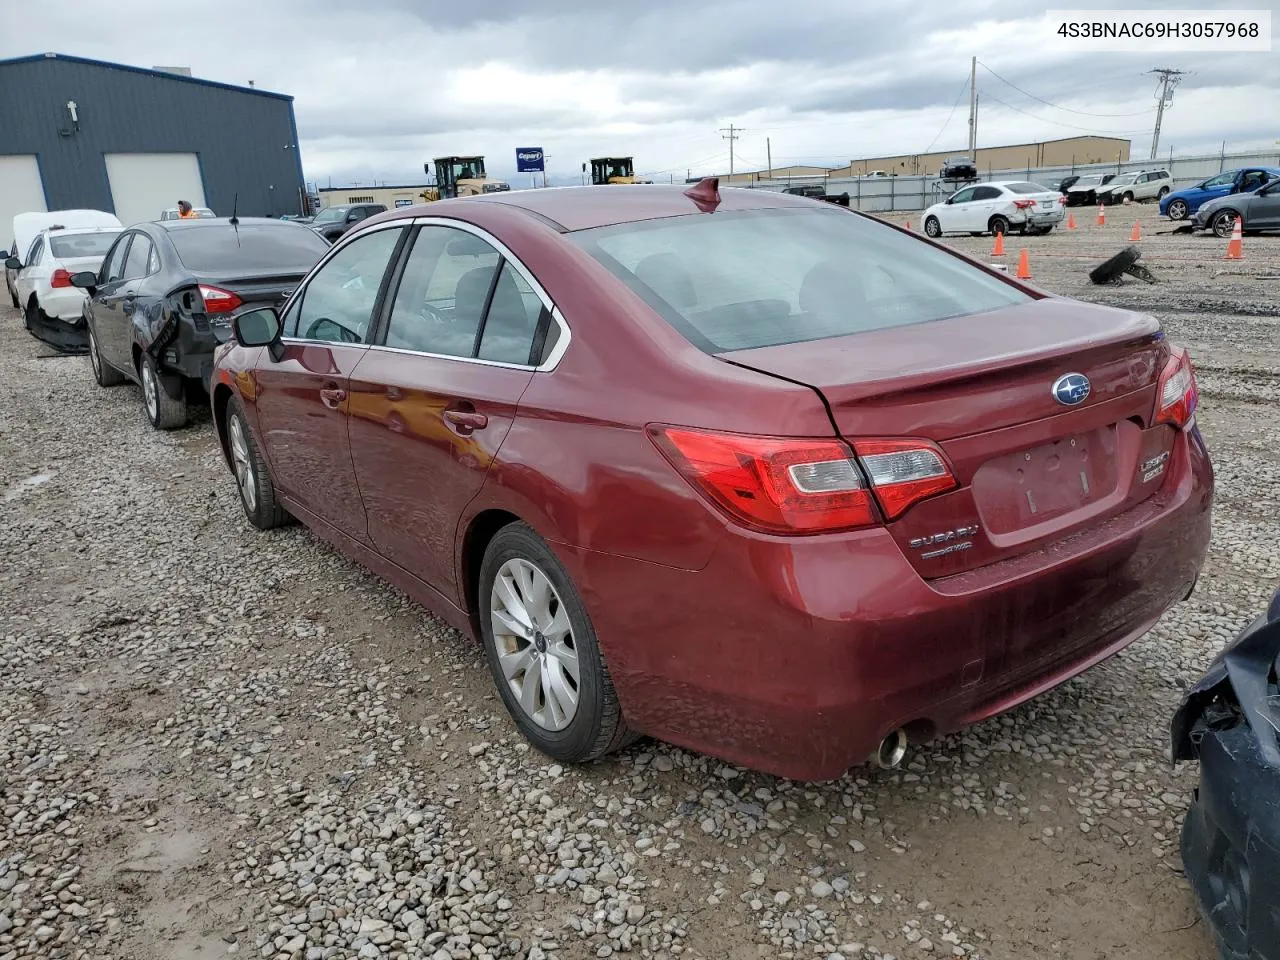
748	279
139	254
113	268
1221	180
964	196
337	304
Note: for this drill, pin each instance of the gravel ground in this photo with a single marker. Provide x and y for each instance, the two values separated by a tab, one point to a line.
216	742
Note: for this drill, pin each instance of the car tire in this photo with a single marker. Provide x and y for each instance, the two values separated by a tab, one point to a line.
1178	210
31	315
998	224
14	298
1110	270
1164	192
1127	197
1223	222
103	374
932	227
253	480
523	584
164	412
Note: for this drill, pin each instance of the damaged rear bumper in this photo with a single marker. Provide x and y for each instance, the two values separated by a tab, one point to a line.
1231	836
66	336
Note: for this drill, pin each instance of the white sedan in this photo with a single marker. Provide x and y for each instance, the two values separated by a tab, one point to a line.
53	307
1000	207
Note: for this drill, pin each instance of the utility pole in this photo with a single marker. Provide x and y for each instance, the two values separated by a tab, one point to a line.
731	134
973	109
1168	79
768	152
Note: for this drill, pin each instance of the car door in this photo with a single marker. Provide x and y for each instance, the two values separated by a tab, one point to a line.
1264	208
301	393
29	275
110	325
437	394
955	215
987	201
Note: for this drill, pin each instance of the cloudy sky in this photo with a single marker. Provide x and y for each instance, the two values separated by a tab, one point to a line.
381	88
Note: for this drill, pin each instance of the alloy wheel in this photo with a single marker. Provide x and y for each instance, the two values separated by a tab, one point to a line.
149	391
243	466
535	644
1177	210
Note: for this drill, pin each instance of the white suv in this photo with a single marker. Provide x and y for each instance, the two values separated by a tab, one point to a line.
1146	185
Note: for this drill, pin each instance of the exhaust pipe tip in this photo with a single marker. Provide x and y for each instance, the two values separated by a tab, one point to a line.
892	749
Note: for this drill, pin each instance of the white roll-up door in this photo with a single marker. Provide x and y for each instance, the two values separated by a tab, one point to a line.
21	191
145	184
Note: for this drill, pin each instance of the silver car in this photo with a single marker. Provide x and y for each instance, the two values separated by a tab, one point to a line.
1257	210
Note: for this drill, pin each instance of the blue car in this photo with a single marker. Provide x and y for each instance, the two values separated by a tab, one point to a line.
1182	203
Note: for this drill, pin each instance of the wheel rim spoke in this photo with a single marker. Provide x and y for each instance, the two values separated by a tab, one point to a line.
517	662
530	688
505	592
566	658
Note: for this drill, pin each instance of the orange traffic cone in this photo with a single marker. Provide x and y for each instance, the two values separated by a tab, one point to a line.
1136	233
1071	221
998	249
1235	246
906	224
1024	267
1102	216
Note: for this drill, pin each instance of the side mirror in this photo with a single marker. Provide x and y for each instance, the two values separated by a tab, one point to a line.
259	327
352	217
84	279
13	263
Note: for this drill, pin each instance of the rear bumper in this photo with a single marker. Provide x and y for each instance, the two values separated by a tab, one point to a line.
1039	218
189	351
797	655
65	305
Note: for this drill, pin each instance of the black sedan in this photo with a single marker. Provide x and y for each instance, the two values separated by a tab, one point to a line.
162	301
1230	722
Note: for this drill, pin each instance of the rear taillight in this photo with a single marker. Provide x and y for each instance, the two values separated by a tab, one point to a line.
1176	394
1024	204
1062	200
784	485
904	472
217	300
60	278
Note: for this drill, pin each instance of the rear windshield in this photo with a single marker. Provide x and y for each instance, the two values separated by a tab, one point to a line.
82	244
219	248
1025	187
733	281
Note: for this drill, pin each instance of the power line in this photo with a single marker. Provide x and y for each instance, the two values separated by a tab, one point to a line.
1083	113
963	86
1069	126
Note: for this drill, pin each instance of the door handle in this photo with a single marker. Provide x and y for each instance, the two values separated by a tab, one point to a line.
332	397
127	304
464	421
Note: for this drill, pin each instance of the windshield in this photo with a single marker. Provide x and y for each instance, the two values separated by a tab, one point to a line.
250	248
1091	181
330	215
72	245
757	278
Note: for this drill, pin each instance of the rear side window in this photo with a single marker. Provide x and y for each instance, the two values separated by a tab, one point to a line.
257	248
733	281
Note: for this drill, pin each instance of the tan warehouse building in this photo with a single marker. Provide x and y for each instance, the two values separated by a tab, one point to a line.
389	197
1047	153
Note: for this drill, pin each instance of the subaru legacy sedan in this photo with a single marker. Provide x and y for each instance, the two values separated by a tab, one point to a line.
765	478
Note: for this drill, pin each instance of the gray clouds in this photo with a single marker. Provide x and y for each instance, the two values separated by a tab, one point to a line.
381	88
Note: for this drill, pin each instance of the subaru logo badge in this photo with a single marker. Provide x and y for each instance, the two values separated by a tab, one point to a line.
1071	389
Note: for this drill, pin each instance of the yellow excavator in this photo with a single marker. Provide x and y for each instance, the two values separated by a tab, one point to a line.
612	170
460	177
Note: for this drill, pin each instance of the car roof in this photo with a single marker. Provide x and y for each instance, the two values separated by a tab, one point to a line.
581	208
27	225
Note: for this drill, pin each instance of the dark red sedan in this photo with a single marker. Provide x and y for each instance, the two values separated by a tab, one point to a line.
743	471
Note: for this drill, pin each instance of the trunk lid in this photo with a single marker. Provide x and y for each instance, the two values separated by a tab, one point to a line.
1031	469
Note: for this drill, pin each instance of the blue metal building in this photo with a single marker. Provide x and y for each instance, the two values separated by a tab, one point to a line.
79	133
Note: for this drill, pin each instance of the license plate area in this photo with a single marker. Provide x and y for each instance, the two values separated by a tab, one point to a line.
1029	487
